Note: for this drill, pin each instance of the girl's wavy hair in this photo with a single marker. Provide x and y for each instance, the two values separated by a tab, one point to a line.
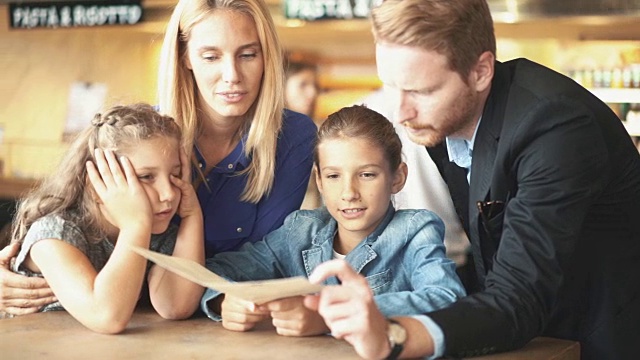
358	121
68	188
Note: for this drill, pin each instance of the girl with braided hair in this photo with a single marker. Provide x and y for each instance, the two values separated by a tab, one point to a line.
120	183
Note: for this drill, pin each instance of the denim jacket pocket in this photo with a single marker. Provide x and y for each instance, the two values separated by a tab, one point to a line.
379	282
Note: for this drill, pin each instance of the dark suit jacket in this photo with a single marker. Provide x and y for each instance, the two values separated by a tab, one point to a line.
560	256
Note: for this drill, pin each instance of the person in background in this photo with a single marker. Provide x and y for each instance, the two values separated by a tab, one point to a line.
400	253
119	185
300	95
301	88
221	77
548	182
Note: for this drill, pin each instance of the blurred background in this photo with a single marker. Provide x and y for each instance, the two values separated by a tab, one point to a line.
53	73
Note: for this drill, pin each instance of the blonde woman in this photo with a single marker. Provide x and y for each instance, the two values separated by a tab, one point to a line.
222	79
255	158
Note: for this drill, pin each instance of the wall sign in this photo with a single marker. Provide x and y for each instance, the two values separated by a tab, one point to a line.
74	14
328	9
85	100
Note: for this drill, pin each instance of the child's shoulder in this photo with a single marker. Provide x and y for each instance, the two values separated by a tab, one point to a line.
319	216
55	222
55	226
416	216
305	223
418	226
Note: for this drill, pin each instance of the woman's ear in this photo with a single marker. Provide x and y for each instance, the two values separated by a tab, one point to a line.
187	61
399	178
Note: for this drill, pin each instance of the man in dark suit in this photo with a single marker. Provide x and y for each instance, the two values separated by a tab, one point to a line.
542	173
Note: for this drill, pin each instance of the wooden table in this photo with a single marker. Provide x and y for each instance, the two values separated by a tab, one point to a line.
56	335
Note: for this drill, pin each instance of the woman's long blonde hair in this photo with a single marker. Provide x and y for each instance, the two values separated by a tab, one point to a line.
177	90
68	189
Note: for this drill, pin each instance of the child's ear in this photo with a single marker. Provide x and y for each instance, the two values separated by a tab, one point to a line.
316	173
399	178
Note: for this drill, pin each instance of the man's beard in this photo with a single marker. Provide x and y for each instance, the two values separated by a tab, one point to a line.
428	137
451	124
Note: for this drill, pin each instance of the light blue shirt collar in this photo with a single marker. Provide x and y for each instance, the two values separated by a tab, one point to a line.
460	150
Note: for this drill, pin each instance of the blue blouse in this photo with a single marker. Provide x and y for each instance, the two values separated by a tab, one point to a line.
229	222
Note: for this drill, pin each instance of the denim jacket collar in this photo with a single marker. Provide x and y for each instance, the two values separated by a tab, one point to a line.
361	255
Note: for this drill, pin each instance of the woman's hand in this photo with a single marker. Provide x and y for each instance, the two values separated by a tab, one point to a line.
20	295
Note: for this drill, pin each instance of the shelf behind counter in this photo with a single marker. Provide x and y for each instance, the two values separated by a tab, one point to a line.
621	96
14	188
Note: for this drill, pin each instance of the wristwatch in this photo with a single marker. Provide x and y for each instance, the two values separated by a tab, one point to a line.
397	335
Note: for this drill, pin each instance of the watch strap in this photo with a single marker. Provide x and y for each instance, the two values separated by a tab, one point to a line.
395	352
396	348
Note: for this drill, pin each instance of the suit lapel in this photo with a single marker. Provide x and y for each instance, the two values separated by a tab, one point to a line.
456	180
484	154
483	161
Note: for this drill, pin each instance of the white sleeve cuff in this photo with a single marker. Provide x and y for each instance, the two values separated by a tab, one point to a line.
436	334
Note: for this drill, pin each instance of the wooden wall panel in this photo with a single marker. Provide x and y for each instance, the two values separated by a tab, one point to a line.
38	68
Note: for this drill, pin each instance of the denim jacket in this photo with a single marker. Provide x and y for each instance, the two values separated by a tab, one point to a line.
403	259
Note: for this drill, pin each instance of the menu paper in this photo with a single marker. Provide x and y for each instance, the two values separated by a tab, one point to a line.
258	292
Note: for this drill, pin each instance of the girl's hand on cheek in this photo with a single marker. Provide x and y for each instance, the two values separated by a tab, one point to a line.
119	190
189	200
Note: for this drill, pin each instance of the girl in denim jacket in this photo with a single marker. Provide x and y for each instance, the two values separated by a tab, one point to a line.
359	164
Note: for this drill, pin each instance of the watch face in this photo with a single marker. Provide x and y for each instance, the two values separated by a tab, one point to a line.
397	333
